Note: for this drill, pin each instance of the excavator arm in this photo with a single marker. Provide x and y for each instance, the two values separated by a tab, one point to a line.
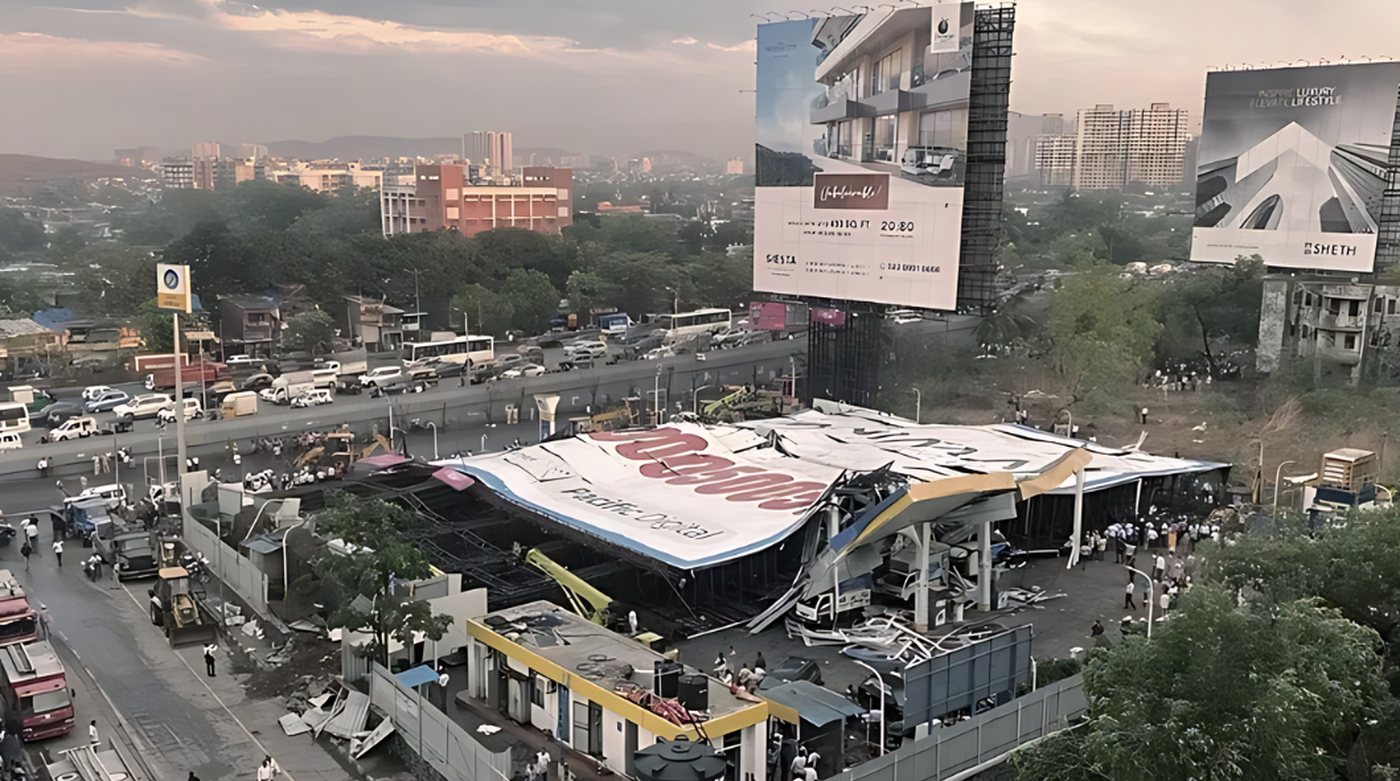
575	588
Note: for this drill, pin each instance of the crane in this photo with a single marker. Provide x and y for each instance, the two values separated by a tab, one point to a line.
586	600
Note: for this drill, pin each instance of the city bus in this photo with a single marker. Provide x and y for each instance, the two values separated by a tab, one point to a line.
688	325
14	417
470	350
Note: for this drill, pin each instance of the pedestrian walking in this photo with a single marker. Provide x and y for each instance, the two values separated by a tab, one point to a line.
1142	416
1128	603
1159	567
192	777
443	680
92	733
31	532
1164	601
268	770
44	620
1097	629
25	550
209	658
58	551
1100	545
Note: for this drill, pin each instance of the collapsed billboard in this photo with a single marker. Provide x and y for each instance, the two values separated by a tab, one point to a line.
861	152
1294	163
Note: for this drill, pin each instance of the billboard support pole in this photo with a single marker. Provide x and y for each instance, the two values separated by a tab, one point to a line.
183	466
921	597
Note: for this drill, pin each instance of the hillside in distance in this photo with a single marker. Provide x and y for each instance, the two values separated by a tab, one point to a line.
24	174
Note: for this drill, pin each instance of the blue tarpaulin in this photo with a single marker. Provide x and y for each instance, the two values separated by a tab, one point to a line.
417	676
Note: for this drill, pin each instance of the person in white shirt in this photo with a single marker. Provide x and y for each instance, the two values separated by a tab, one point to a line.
1159	568
443	680
92	733
268	770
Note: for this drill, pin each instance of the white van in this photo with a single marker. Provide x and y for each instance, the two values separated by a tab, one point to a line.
9	440
192	407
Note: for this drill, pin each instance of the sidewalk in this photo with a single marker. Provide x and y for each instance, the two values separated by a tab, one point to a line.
90	703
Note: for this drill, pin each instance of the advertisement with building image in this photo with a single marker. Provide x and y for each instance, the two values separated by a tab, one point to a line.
861	151
1294	163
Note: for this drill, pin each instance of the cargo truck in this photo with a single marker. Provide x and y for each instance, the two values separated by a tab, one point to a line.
193	375
289	386
129	548
18	623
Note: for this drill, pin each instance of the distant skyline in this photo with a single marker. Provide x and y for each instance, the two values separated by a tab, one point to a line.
89	76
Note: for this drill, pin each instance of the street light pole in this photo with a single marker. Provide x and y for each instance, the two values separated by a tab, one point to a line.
1277	476
435	450
1151	597
918	406
879	681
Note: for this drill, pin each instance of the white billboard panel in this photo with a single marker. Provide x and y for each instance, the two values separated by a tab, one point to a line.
1293	165
861	152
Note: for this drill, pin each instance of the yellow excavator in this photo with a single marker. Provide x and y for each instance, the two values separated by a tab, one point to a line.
342	450
586	600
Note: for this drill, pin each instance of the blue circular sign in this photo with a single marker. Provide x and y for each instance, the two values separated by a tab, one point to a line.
172	279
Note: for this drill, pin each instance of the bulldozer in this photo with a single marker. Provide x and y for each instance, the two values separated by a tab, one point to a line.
343	453
175	609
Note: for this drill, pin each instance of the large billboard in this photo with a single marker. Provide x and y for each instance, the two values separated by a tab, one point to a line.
861	149
1293	165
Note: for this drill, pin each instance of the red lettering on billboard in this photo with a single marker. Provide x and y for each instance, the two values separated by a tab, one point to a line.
676	457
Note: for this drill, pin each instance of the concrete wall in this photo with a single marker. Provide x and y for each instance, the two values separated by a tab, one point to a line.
449	748
237	572
1273	317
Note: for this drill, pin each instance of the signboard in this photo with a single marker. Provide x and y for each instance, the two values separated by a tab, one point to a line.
680	493
993	669
861	152
1293	165
767	316
173	287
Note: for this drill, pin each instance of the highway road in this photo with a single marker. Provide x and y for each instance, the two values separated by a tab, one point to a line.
453	409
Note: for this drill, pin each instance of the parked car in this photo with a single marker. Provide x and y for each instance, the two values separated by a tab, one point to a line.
434	368
91	392
508	360
313	398
73	428
107	401
383	375
794	668
193	409
523	370
399	386
256	382
594	349
147	406
55	414
234	361
578	362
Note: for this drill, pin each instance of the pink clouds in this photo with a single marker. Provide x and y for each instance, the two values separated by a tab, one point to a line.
50	51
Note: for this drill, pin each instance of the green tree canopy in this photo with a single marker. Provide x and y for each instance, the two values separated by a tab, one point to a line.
378	555
1100	327
311	331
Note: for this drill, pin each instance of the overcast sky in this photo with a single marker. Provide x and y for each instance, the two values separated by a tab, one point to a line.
81	77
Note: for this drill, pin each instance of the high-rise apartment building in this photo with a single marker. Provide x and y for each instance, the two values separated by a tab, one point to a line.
328	176
444	197
205	157
1146	146
229	172
1054	160
734	167
490	149
177	173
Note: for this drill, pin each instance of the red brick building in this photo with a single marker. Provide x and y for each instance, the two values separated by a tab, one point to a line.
443	197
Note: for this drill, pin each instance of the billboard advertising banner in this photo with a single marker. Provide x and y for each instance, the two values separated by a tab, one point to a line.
1293	165
861	149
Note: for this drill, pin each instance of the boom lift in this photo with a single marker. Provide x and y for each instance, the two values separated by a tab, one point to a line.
586	600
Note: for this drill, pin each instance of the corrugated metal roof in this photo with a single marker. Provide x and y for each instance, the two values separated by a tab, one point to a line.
816	705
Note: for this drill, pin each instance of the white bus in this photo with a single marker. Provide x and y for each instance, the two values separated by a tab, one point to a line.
688	325
14	417
471	350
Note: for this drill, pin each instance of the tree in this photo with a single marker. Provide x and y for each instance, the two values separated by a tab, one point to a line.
533	300
486	312
1100	328
1209	307
116	280
376	556
311	331
1225	690
157	328
64	246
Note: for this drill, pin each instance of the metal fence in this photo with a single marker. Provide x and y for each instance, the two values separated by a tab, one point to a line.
440	741
237	572
984	738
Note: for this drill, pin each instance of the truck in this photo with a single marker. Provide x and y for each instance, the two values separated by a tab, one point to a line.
853	594
36	691
350	363
18	623
78	516
176	609
32	398
236	405
193	375
902	579
289	386
144	364
130	548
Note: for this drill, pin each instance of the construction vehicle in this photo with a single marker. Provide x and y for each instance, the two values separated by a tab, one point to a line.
36	691
175	608
128	547
586	600
17	619
78	516
340	445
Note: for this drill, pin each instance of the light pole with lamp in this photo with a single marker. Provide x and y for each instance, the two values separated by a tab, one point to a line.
1151	597
1278	476
918	406
483	443
879	681
435	449
695	398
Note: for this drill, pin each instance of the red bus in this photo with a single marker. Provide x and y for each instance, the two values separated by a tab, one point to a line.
36	691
